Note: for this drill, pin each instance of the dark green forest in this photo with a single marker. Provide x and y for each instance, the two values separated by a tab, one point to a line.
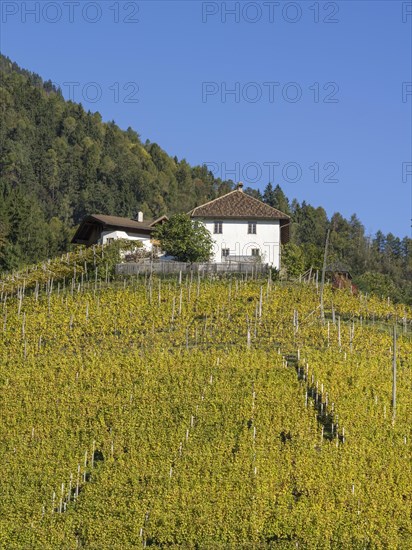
59	163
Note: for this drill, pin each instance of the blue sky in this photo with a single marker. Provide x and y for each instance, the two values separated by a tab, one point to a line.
314	96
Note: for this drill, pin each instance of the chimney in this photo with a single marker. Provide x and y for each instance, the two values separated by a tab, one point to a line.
140	216
239	186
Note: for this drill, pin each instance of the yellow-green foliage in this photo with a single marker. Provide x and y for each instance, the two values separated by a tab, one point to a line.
76	266
206	441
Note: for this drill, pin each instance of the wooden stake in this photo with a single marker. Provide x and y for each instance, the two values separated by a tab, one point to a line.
322	312
394	376
339	339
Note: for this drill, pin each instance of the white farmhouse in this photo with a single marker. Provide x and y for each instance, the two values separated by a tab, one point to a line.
244	228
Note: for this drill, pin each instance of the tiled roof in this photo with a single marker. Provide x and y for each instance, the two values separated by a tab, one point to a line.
237	204
118	221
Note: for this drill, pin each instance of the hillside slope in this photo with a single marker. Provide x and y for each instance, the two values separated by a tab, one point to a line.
59	163
207	414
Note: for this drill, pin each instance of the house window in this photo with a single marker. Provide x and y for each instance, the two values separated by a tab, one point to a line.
225	252
255	252
218	227
109	240
251	228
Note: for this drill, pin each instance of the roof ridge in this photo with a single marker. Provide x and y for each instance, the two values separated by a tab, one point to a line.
112	216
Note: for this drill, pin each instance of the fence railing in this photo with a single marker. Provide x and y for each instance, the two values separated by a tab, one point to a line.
170	267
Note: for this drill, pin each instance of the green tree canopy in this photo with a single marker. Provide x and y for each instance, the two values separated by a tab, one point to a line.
185	239
293	259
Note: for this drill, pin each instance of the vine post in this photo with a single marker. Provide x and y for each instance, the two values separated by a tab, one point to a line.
322	284
394	376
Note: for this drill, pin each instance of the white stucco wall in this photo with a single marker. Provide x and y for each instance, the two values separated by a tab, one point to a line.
235	237
124	235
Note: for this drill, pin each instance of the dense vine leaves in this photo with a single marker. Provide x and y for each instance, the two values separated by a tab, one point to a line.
170	413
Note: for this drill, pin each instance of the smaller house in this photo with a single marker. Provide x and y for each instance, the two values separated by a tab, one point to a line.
102	229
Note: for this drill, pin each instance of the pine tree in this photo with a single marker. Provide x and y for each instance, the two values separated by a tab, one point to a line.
268	195
280	200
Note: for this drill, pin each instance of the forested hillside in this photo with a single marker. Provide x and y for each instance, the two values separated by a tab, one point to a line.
380	264
59	162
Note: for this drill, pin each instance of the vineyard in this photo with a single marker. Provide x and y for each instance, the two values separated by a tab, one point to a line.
187	412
